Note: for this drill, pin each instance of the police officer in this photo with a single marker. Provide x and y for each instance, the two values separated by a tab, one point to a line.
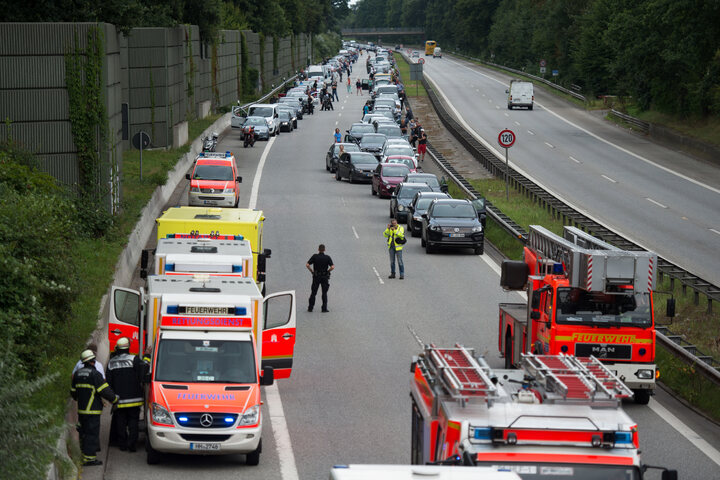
124	374
322	265
88	389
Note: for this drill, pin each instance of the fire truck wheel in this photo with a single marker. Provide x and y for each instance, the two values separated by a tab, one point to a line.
508	352
642	397
253	458
153	456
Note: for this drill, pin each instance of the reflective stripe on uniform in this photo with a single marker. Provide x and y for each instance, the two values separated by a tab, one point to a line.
102	387
128	405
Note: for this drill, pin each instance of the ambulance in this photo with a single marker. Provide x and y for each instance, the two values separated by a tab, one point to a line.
212	342
187	256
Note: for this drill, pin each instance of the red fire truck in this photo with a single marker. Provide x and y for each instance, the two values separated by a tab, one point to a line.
586	297
557	417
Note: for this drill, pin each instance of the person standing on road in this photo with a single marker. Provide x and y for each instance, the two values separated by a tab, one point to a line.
358	87
320	266
334	90
422	144
349	85
337	135
395	236
88	388
124	376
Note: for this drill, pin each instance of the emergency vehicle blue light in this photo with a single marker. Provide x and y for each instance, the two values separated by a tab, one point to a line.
558	269
229	419
169	267
482	433
201	154
240	311
237	269
239	237
182	419
173	309
623	437
227	153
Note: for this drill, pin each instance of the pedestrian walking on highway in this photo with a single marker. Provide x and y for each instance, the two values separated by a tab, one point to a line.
349	85
358	87
337	135
422	145
334	90
320	265
88	388
408	114
125	374
395	237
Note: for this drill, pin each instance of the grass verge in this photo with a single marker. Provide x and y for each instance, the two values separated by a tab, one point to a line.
413	88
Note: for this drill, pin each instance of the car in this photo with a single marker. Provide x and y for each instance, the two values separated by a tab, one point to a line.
428	178
369	117
398	149
409	162
365	83
393	105
267	110
214	181
385	89
415	55
331	158
284	120
387	177
290	111
357	130
262	130
372	143
417	207
452	222
356	166
402	197
389	130
294	102
386	112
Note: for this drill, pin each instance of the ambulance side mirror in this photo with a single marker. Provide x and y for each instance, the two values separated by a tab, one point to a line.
669	475
187	176
268	376
238	179
670	308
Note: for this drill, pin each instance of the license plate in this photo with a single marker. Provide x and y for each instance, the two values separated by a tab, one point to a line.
206	447
454	235
209	202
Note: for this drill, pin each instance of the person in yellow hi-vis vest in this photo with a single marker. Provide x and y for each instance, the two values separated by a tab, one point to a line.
395	236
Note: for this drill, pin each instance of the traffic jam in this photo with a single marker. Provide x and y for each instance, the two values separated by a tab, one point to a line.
212	337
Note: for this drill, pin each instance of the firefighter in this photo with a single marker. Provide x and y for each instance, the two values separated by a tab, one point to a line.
88	389
124	374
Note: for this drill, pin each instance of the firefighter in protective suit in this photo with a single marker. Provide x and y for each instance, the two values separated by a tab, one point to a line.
124	374
88	389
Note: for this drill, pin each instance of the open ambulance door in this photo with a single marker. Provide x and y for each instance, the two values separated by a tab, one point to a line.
278	336
124	319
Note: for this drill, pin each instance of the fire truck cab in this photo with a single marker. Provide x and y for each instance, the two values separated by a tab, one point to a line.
558	417
586	297
212	342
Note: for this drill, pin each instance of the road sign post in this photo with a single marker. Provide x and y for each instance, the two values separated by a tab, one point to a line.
506	139
141	140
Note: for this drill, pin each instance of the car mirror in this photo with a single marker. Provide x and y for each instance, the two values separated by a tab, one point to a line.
424	215
238	179
187	176
507	91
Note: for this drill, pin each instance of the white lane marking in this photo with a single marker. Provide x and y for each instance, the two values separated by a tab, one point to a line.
478	90
483	94
597	137
507	114
575	159
378	276
258	174
342	108
343	201
549	145
497	107
655	202
530	132
699	442
288	469
517	123
712	229
355	233
609	179
336	122
339	115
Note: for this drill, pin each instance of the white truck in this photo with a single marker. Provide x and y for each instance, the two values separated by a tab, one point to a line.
187	256
212	342
520	94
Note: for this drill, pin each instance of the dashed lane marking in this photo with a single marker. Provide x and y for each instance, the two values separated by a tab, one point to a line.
575	159
378	276
549	145
609	179
655	202
355	232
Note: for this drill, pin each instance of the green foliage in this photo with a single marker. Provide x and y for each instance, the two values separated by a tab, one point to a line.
326	45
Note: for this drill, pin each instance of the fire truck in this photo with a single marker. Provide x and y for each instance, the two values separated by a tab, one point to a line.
187	256
586	297
212	342
557	417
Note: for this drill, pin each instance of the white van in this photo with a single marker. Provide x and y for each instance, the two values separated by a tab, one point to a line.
315	72
520	94
267	110
437	52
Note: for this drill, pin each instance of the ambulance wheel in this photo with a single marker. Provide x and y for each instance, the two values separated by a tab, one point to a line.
153	456
253	458
642	397
508	352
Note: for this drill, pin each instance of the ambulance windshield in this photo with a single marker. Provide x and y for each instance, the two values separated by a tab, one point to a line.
578	306
549	471
211	361
213	172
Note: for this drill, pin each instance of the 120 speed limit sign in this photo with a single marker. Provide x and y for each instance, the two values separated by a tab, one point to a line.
506	138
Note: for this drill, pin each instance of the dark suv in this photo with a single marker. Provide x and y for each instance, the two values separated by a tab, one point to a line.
452	223
402	197
417	207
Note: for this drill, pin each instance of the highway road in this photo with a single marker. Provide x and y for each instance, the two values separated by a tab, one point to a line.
348	398
662	199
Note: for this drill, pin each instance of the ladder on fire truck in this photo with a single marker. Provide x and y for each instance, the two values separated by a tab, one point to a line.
568	379
460	373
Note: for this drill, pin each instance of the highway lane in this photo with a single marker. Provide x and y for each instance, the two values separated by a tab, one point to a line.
347	400
676	216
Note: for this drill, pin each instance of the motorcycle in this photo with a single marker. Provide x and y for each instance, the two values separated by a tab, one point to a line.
249	136
210	142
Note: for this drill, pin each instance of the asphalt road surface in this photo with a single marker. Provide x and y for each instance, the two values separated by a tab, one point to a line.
348	398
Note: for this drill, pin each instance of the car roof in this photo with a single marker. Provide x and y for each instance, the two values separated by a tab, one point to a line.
383	165
453	200
373	135
423	175
362	154
440	195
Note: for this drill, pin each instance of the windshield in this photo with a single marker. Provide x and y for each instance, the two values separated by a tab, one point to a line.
373	140
213	361
578	306
395	171
431	181
213	172
391	130
283	115
347	147
453	210
389	102
549	471
400	150
405	161
362	159
409	191
257	121
261	111
424	202
365	128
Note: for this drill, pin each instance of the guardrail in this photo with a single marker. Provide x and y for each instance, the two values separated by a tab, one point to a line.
635	122
688	352
272	92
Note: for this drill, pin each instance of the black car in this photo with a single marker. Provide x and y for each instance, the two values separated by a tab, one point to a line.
373	143
402	197
357	130
428	178
284	121
356	166
417	207
296	104
290	110
452	223
331	158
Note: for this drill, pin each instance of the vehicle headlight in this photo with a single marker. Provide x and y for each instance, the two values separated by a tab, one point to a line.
161	415
195	189
229	190
477	229
417	218
645	374
250	417
401	208
434	228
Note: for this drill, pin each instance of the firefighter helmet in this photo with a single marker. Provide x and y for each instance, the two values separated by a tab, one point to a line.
87	355
122	344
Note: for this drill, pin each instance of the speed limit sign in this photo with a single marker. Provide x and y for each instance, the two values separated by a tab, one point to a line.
506	138
421	60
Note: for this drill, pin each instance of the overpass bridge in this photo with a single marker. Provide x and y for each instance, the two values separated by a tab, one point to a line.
381	31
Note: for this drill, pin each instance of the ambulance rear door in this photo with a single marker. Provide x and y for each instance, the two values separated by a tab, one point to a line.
278	336
124	318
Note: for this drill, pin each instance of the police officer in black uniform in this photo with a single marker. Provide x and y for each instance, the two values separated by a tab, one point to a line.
320	266
124	374
88	389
